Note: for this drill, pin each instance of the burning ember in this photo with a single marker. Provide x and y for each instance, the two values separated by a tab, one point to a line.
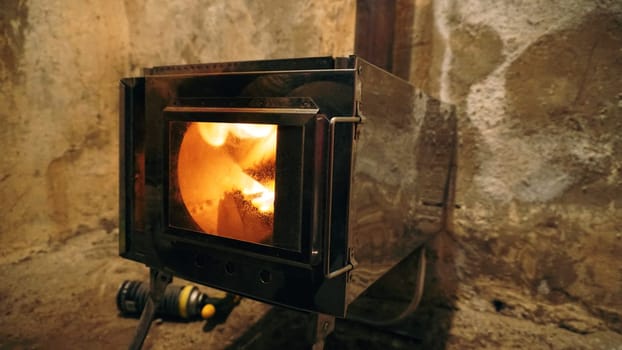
226	177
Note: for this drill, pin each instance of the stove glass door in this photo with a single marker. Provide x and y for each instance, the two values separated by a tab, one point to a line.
225	178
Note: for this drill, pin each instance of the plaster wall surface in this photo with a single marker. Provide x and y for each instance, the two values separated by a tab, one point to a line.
60	65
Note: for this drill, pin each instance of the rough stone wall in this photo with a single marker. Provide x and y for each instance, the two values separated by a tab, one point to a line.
534	259
60	66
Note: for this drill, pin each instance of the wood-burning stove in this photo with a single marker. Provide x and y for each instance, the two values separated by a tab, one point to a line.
296	182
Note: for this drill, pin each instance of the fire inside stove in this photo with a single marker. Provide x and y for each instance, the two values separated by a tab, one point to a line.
224	174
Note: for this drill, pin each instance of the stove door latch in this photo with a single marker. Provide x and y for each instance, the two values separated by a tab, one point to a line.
352	263
328	274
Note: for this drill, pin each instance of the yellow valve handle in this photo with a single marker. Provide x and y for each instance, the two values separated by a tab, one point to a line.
208	311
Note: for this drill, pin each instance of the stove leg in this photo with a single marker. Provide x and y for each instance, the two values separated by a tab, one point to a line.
322	326
158	282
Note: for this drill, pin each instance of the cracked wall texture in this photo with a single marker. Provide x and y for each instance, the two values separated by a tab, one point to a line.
534	257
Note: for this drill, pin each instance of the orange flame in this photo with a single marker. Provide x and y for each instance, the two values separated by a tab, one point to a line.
218	158
261	196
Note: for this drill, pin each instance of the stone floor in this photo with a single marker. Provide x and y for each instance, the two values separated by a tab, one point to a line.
63	297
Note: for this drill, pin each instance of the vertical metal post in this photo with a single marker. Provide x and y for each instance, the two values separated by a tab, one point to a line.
383	34
158	282
322	325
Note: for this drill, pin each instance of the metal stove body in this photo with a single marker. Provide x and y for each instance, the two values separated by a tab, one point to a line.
355	178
